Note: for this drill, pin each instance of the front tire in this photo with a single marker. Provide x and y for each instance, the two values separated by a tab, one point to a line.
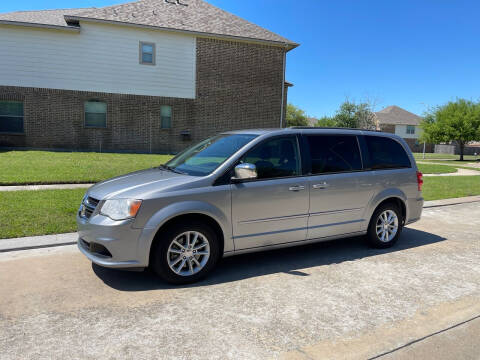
385	226
185	253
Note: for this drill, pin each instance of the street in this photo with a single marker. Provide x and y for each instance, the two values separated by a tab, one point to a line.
336	299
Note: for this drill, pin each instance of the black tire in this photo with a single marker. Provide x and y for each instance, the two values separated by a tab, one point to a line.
159	253
372	237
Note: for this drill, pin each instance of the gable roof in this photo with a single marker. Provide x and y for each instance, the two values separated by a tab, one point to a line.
397	116
193	16
46	18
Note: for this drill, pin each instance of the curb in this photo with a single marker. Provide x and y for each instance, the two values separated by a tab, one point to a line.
37	242
449	202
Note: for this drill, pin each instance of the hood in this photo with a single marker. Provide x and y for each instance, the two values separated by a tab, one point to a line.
138	185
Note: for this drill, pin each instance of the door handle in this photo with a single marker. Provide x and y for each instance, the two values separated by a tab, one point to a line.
296	188
323	185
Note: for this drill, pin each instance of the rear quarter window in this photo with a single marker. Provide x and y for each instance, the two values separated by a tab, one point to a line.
386	153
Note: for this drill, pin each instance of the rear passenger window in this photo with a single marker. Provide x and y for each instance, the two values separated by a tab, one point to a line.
386	153
333	154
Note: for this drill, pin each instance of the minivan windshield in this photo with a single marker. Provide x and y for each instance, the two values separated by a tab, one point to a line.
206	156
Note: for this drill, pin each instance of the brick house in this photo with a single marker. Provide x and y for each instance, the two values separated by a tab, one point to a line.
405	124
147	76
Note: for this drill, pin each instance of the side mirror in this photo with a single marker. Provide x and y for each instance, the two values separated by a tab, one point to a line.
245	171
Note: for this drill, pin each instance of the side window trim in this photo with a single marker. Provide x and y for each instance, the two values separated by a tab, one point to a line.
305	155
364	153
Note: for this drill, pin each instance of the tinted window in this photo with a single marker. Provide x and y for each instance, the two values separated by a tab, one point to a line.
386	153
332	153
275	158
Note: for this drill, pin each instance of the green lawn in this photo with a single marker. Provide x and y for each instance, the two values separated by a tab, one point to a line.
26	213
436	169
445	187
433	156
46	167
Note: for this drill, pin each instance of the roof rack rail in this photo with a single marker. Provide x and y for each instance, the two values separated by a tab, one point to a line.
334	128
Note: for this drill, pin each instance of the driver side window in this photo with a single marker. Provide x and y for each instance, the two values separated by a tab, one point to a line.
275	158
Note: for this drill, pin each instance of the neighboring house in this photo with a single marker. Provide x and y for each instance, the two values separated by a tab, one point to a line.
312	121
403	123
150	76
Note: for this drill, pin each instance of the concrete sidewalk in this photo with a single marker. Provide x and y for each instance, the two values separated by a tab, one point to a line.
44	187
460	172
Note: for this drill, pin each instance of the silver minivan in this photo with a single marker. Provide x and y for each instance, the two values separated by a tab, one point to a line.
252	190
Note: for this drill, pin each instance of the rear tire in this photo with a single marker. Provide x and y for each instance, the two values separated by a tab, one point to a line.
385	226
185	253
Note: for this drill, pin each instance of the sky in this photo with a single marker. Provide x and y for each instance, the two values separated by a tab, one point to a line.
411	53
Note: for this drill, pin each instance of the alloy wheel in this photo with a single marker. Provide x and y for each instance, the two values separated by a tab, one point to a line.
188	253
387	226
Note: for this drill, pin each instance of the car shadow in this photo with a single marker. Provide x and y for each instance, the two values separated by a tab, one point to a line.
288	260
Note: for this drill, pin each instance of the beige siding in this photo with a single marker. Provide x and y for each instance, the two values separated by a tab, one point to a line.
101	58
401	130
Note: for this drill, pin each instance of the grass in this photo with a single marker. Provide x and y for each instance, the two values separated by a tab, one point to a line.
433	156
446	187
436	169
27	213
46	167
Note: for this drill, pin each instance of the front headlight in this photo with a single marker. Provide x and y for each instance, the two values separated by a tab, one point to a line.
120	209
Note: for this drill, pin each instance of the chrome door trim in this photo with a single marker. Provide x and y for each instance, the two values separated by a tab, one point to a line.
274	219
334	212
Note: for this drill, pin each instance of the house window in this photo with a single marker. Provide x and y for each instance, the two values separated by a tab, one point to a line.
166	116
95	114
410	129
11	116
147	53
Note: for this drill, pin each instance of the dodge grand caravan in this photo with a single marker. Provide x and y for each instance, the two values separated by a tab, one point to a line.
251	190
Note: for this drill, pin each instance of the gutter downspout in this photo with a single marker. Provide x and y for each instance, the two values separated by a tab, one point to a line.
283	86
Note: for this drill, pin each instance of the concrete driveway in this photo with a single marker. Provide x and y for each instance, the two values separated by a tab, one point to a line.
329	300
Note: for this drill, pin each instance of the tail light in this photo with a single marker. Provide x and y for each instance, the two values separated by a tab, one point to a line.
419	180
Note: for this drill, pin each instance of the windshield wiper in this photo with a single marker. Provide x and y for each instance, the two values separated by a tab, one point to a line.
169	168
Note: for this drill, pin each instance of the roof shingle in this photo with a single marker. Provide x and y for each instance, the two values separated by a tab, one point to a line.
397	116
183	15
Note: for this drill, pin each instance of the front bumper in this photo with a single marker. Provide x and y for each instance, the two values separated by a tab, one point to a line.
114	244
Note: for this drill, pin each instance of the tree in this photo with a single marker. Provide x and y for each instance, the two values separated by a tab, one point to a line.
296	116
326	122
457	121
354	115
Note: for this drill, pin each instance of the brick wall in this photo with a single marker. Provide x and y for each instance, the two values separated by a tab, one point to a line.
239	86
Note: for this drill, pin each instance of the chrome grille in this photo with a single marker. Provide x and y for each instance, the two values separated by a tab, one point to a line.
89	205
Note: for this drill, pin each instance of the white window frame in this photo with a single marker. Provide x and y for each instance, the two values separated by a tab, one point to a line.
140	51
409	127
85	114
171	117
